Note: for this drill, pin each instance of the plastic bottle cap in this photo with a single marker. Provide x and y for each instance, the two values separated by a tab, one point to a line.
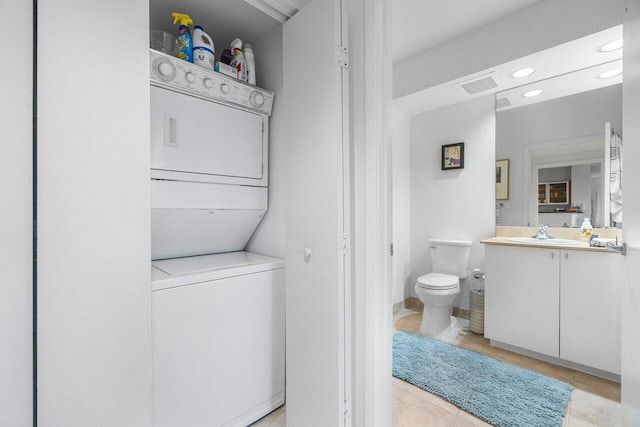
198	27
236	44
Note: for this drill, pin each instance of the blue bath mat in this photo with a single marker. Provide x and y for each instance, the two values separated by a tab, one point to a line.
499	393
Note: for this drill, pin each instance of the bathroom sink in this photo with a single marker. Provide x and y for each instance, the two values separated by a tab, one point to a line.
563	242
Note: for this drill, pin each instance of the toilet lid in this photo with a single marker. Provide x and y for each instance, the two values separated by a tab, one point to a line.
438	281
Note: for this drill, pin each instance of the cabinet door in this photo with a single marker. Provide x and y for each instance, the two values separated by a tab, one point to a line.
559	193
542	194
589	309
522	297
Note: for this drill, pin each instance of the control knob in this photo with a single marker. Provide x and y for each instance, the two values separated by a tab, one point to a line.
207	83
189	77
224	88
256	99
165	70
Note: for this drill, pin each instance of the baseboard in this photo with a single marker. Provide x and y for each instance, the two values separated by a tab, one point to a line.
556	361
398	306
413	303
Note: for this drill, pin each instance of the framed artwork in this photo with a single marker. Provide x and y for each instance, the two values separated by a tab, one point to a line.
502	179
453	156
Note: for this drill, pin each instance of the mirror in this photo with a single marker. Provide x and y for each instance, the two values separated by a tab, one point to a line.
556	145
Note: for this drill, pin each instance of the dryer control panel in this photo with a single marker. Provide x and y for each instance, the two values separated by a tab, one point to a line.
170	72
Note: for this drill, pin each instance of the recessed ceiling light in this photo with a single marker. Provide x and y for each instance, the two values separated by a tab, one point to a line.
525	72
532	93
611	46
609	74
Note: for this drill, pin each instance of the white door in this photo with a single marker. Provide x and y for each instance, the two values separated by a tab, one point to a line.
16	227
630	294
317	217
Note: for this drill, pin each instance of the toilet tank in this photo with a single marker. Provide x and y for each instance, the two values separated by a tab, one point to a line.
450	256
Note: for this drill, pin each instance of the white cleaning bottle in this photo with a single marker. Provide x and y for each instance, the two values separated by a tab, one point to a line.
204	53
238	61
251	64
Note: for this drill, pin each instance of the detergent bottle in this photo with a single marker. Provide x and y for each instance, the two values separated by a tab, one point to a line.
185	42
204	53
238	61
251	64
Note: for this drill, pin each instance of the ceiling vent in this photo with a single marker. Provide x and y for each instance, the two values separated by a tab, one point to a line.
503	102
485	83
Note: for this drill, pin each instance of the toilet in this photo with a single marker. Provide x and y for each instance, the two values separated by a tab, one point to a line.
438	290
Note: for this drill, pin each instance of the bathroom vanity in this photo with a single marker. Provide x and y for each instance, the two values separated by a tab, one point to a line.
556	302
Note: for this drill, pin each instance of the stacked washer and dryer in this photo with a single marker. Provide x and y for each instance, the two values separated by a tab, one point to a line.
218	312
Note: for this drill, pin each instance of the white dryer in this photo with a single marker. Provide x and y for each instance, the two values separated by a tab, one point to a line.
209	159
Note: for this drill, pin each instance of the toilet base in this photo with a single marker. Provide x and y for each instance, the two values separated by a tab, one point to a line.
435	320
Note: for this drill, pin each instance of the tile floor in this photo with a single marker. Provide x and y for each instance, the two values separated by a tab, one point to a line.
594	402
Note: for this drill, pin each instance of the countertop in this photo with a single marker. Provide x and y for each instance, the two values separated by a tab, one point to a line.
580	246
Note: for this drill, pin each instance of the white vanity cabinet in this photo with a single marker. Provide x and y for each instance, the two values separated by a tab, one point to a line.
590	309
561	303
522	299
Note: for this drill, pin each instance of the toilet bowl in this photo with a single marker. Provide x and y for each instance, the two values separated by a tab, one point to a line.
438	290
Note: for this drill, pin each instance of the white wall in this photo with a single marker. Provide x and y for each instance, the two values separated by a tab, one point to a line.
630	295
564	118
370	127
269	237
94	296
452	204
543	25
581	188
15	217
401	203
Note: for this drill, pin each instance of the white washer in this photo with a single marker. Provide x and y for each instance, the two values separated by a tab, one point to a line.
218	339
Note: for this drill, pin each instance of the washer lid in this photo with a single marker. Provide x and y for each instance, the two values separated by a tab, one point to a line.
175	272
438	281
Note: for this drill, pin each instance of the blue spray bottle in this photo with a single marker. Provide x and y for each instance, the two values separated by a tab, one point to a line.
185	42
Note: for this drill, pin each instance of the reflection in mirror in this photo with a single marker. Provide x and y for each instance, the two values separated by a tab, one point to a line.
558	147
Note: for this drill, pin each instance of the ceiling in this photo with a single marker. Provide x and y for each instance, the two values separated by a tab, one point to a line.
580	54
418	25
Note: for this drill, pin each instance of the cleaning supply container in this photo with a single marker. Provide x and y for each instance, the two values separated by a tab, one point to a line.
238	61
251	64
185	42
204	53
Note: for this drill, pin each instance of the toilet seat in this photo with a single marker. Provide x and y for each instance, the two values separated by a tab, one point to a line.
438	281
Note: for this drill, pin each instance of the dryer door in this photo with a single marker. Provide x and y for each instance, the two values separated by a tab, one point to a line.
197	140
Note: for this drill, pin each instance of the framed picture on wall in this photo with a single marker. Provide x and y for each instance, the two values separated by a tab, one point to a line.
453	156
502	179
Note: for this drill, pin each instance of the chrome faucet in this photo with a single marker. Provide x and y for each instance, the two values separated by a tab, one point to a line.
620	247
542	233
